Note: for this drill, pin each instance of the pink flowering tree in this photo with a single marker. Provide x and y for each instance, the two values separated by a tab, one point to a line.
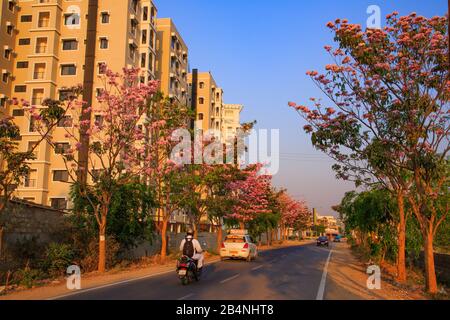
294	214
117	142
250	195
386	116
164	176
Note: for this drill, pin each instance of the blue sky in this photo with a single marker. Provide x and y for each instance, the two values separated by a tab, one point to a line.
259	51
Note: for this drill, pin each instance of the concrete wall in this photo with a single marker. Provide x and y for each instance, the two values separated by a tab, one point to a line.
207	240
442	266
25	220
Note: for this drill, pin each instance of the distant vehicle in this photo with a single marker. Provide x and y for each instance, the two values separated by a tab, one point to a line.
238	245
322	241
338	238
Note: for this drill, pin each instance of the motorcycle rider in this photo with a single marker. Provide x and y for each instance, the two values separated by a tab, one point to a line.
191	248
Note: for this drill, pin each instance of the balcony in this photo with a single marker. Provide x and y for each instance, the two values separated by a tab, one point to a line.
38	75
36	101
29	183
41	48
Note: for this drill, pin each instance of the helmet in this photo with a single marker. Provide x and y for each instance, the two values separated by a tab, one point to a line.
190	232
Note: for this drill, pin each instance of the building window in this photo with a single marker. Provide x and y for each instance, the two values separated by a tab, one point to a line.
144	36
201	85
7	54
22	64
41	45
134	25
10	29
65	95
26	18
71	19
5	77
145	14
134	4
3	101
70	44
18	113
201	100
32	145
24	42
150	62
44	19
200	116
39	71
20	88
105	17
30	179
65	122
37	98
58	203
104	43
68	70
143	60
62	147
11	5
132	51
61	175
98	120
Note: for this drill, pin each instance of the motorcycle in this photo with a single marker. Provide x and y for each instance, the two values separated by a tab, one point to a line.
187	270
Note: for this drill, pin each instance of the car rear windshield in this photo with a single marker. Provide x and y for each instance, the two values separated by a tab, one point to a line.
323	238
235	239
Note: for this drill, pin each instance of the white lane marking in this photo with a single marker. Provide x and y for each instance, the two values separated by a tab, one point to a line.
117	283
258	267
321	290
229	279
186	296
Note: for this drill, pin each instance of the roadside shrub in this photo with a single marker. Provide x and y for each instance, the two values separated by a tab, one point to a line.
89	262
28	277
57	258
27	251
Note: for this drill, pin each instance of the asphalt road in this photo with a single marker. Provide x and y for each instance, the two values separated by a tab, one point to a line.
290	273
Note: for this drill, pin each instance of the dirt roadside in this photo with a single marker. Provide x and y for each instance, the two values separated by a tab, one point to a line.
347	280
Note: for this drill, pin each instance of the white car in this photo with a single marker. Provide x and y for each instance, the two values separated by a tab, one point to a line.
238	246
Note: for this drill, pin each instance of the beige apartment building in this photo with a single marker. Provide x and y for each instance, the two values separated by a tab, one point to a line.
206	100
8	22
231	120
44	53
172	61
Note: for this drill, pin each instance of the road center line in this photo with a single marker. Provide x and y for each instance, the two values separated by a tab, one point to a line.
229	279
186	296
258	267
321	290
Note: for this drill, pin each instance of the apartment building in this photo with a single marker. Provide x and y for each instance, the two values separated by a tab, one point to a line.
46	53
172	61
231	120
206	100
8	31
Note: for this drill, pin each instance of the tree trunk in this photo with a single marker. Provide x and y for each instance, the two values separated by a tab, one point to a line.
164	240
430	273
195	227
1	241
241	225
268	235
401	261
102	245
219	238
